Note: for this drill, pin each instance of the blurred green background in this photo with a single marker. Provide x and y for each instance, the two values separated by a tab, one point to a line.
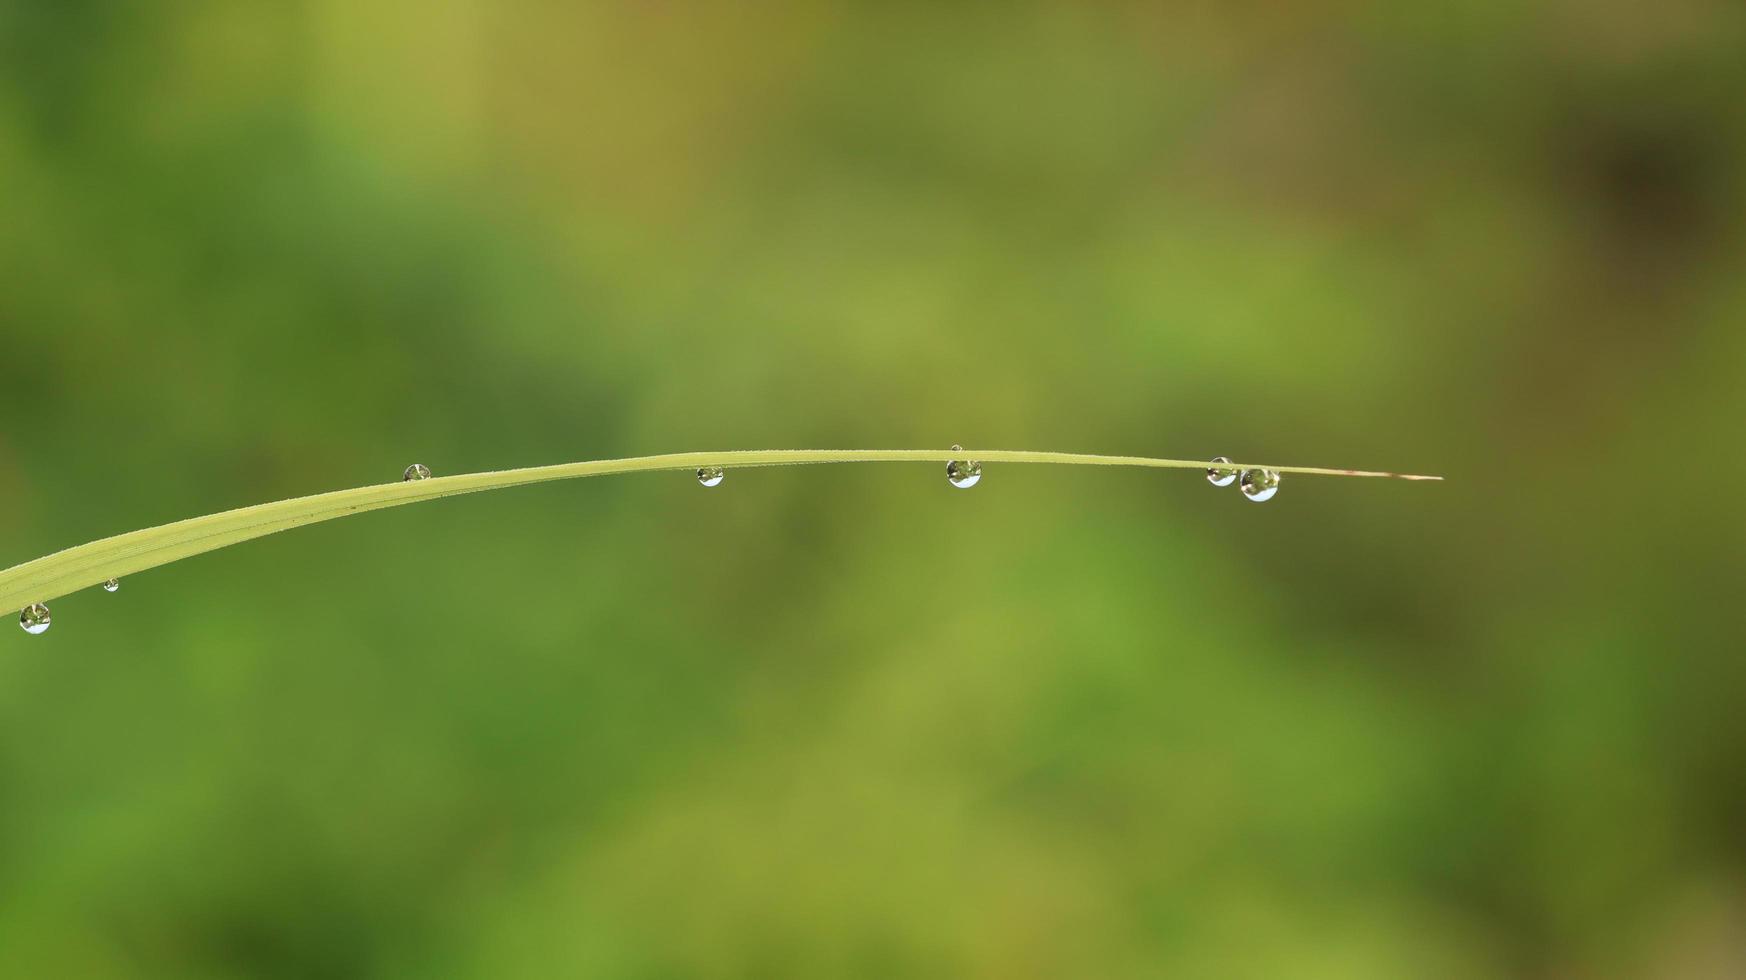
848	721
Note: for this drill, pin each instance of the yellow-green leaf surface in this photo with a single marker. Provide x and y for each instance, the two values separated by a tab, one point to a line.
87	565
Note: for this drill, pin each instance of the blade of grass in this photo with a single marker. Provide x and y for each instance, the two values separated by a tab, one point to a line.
63	572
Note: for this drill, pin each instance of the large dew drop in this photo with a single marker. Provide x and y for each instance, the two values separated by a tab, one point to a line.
963	473
1260	485
1221	476
711	476
35	619
417	471
112	585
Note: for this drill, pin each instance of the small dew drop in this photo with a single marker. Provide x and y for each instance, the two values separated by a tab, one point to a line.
417	471
35	619
963	473
710	476
1221	476
1260	485
112	585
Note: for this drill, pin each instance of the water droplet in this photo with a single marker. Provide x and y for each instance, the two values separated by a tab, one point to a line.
417	471
34	619
112	585
963	473
1260	485
710	476
1221	476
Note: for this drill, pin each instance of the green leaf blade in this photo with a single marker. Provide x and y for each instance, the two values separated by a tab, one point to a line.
88	565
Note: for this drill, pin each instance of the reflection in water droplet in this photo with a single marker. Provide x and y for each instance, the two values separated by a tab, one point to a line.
417	471
112	585
963	473
710	476
1260	485
34	619
1221	476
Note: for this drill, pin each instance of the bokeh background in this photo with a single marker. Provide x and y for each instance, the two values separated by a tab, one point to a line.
848	721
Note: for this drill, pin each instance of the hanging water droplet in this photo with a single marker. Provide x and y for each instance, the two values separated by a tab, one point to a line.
963	473
711	476
417	471
1260	485
1221	476
34	619
112	585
